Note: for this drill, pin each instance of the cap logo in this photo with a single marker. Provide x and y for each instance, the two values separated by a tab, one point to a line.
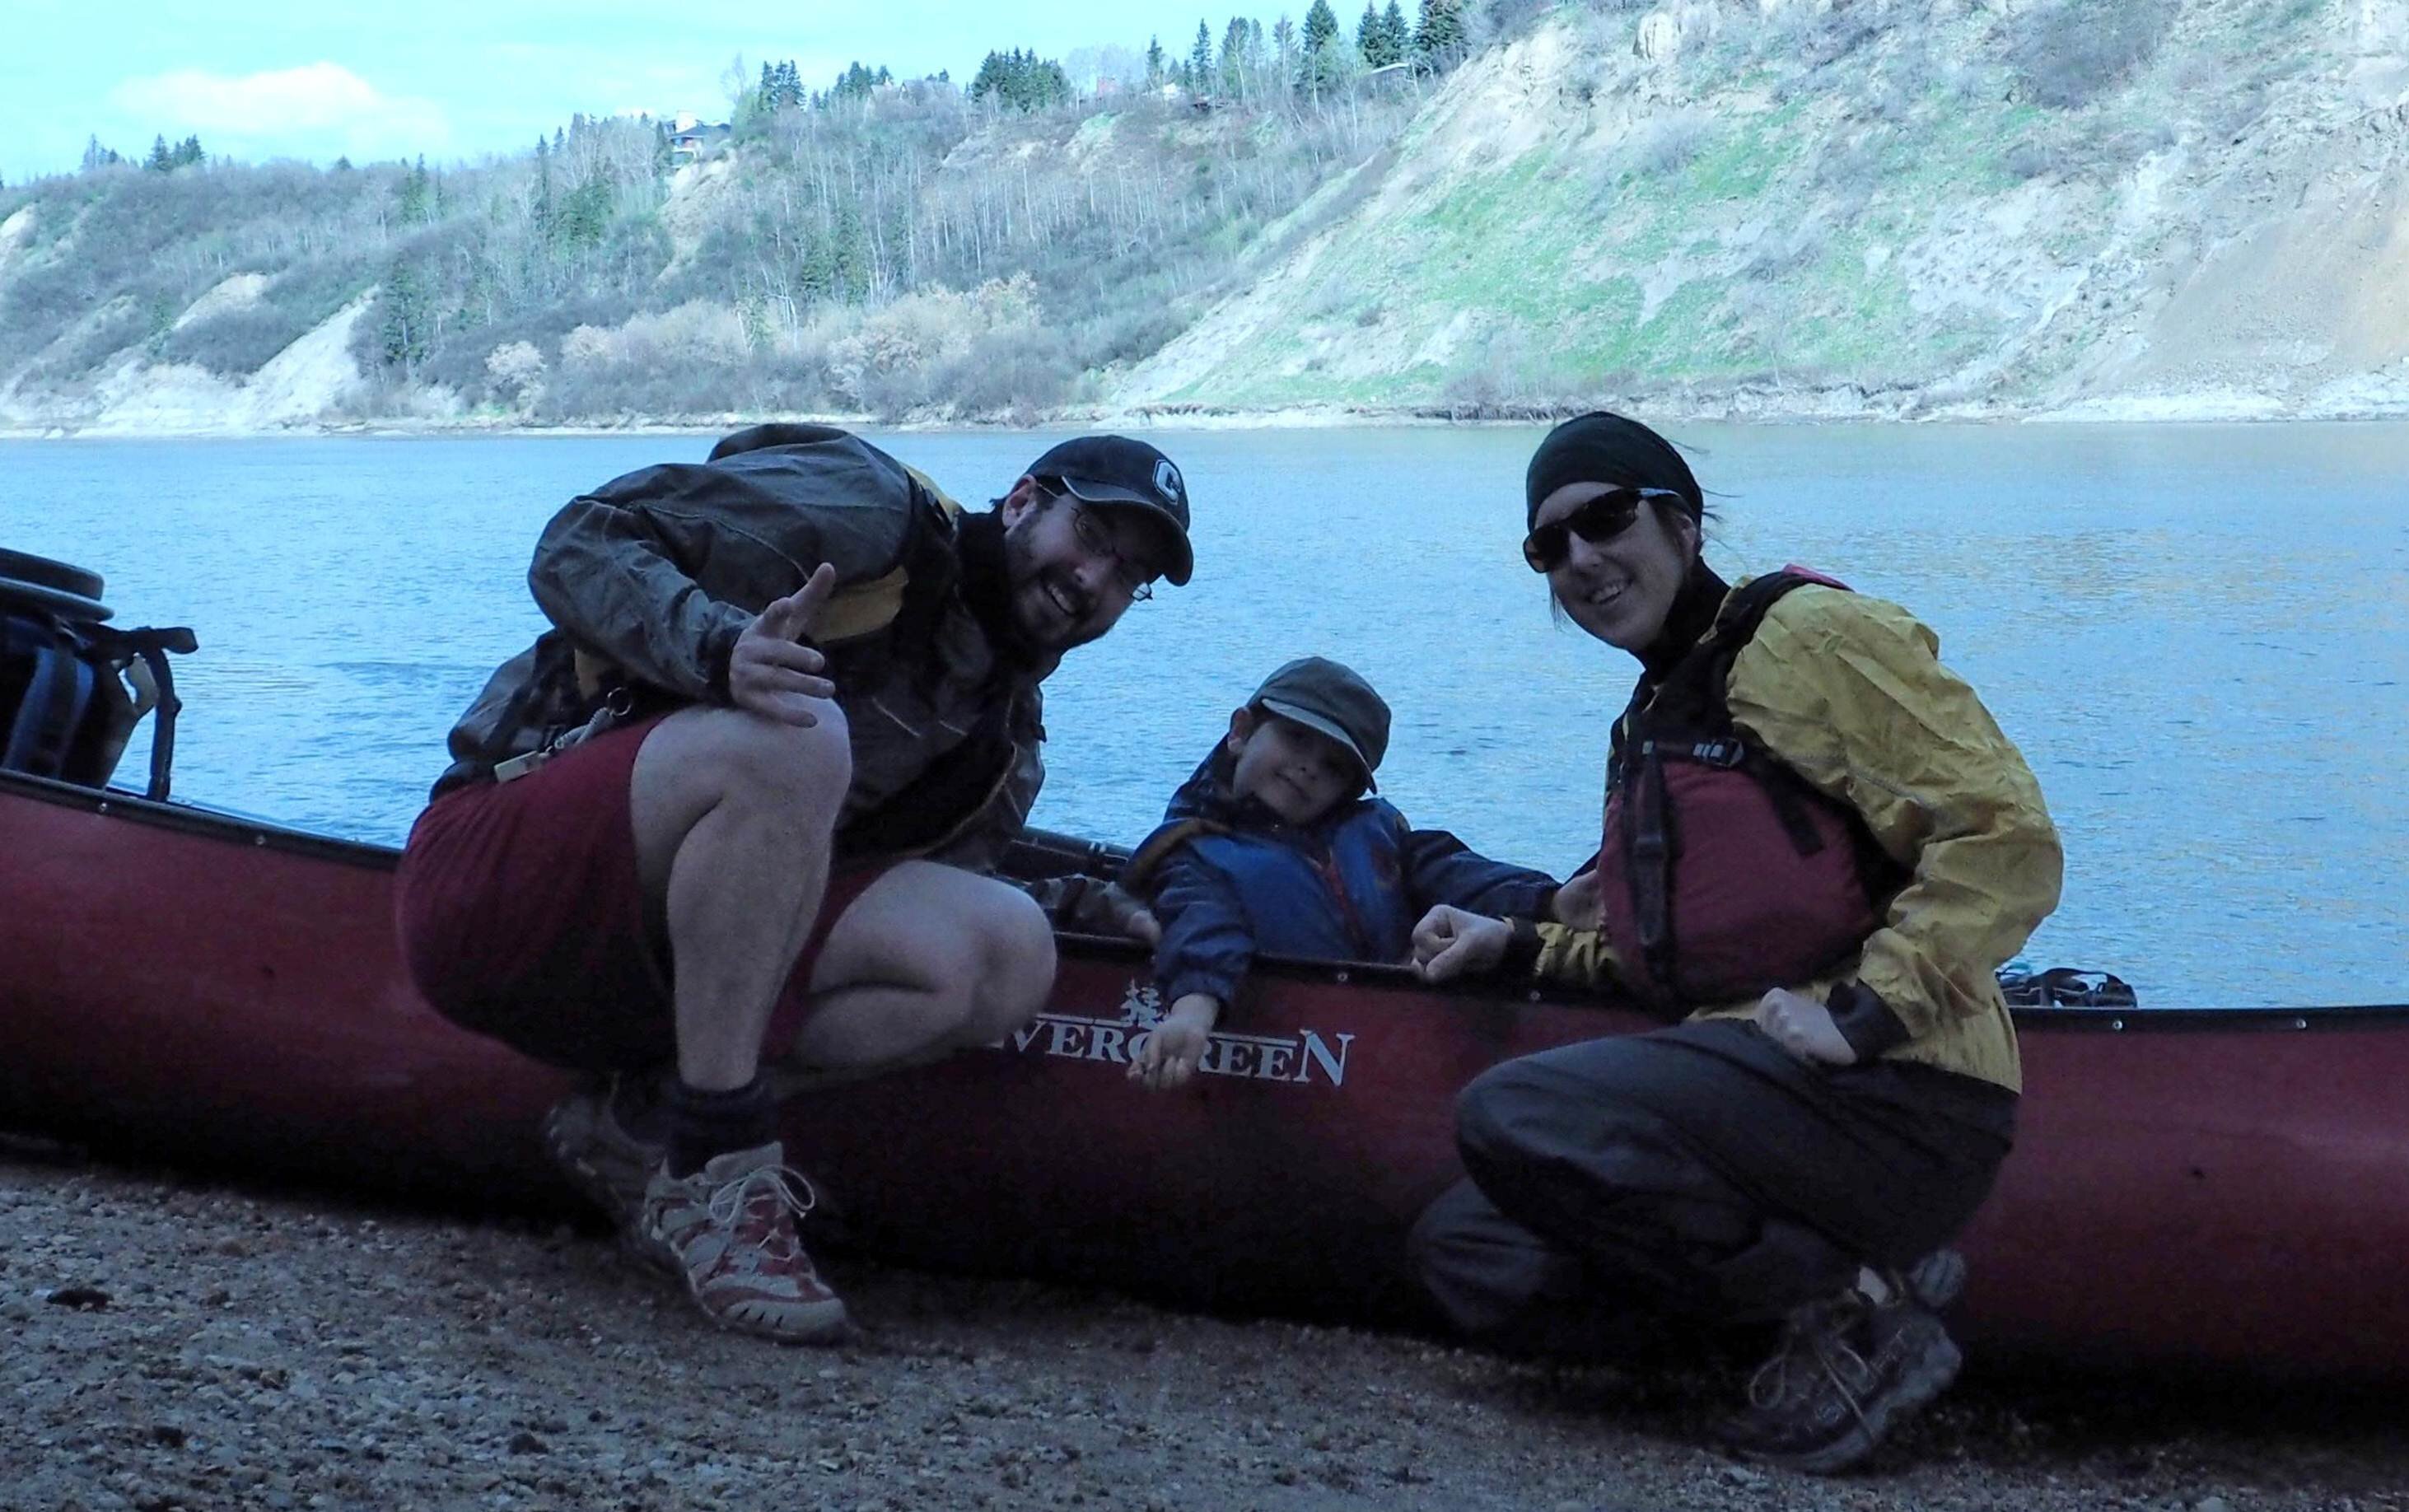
1166	481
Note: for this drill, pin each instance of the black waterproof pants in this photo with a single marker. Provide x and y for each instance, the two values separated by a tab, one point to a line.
1698	1173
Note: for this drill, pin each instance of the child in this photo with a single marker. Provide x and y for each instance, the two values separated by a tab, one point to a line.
1274	846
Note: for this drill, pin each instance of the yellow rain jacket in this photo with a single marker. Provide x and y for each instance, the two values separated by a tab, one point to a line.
1848	692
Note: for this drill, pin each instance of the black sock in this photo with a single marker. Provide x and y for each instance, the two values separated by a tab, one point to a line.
704	1124
639	1104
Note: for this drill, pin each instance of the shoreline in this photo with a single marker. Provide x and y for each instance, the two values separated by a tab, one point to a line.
2221	410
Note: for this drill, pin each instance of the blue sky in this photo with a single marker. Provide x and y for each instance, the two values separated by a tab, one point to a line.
457	78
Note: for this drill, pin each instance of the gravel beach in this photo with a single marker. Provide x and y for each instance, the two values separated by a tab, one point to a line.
175	1343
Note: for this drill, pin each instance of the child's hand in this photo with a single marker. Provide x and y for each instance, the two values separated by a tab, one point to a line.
1174	1048
1450	941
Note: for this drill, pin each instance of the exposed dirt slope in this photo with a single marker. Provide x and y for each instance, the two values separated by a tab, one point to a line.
1917	207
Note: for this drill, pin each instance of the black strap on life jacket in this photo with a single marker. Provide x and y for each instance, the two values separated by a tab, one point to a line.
153	647
1686	716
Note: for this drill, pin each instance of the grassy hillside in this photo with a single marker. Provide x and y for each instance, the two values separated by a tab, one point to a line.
2145	206
1891	205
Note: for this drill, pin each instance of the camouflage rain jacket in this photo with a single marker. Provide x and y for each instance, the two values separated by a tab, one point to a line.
649	580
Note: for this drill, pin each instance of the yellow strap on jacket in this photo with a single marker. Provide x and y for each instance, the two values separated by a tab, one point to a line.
852	613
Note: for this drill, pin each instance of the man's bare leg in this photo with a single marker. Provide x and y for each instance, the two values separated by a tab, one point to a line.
734	816
928	959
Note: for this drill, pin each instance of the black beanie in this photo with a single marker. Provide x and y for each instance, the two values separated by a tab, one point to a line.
1602	448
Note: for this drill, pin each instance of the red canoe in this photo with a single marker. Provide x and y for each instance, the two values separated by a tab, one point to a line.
2216	1186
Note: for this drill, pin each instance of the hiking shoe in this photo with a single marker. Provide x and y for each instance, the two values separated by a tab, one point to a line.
598	1154
729	1231
1848	1371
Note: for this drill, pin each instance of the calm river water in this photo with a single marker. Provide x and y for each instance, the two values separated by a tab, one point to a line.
2199	636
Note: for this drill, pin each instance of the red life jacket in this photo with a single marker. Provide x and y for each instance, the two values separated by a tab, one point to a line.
1722	872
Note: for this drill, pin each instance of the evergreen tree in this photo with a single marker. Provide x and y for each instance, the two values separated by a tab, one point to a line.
1154	71
415	202
1238	56
1320	27
97	156
1199	61
585	215
158	161
855	83
407	331
1021	80
993	72
1440	40
188	154
1371	38
1401	37
539	212
1284	46
1325	60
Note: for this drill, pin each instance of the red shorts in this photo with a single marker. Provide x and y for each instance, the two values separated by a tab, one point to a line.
521	916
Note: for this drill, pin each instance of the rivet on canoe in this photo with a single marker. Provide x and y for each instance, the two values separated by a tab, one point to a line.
2299	1023
1340	978
103	809
259	840
1534	996
2115	1023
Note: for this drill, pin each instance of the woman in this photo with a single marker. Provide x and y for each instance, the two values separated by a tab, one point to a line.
1819	847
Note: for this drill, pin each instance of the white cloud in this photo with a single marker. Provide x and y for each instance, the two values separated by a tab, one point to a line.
319	110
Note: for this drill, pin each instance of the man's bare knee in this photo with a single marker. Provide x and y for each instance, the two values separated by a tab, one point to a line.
756	761
704	761
1016	966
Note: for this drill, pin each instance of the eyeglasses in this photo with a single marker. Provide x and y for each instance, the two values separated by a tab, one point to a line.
1093	538
1597	520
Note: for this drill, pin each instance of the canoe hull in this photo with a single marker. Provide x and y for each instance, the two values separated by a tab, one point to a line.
2213	1187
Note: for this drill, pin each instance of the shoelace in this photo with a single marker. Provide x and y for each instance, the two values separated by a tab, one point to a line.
1831	1354
791	1189
1817	1336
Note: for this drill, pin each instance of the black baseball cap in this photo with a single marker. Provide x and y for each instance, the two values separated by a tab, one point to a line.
1115	469
1330	698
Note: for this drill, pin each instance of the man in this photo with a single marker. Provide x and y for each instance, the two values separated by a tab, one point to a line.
733	807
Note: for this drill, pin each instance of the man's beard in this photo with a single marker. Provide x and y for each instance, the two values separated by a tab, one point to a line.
1049	595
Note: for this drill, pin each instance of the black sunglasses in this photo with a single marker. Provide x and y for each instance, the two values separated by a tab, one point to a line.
1600	519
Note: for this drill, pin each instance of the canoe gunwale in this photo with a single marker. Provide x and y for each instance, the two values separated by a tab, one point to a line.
235	828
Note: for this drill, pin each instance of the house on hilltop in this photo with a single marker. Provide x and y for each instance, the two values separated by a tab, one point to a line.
690	137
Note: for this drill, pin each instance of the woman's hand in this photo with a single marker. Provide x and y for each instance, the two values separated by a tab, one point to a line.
1172	1049
1803	1027
1450	943
770	671
1575	905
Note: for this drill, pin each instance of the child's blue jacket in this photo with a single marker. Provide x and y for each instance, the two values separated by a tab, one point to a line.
1228	880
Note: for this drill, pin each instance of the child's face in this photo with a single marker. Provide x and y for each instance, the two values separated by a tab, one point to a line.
1300	775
